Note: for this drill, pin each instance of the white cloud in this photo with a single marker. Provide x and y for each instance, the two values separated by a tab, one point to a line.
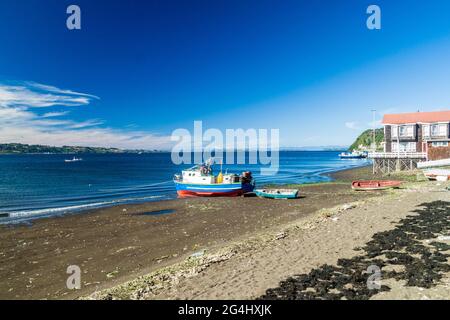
20	123
53	89
352	125
85	124
376	124
35	95
94	137
54	114
8	115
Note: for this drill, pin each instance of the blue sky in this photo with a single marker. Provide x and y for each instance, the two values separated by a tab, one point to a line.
137	70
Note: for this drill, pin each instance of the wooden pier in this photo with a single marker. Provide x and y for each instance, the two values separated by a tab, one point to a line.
387	162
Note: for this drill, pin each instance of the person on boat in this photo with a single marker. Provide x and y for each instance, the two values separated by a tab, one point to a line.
205	169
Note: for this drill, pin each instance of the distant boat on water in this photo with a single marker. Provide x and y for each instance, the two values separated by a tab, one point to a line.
200	181
353	155
74	159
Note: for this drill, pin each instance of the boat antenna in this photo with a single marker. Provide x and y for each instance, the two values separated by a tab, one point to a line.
221	163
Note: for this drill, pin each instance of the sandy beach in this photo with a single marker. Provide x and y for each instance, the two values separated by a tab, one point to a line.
235	248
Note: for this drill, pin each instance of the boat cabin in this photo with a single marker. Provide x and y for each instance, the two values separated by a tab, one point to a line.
195	176
204	175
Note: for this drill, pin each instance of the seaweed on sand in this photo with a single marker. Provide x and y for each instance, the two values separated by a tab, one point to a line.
418	261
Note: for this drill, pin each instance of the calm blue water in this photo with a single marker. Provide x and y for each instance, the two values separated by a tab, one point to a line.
34	186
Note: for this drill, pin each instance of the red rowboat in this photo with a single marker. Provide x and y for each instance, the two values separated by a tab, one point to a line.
368	185
437	174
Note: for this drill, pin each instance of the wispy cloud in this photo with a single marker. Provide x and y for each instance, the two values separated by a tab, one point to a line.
376	123
54	114
352	125
19	121
56	90
85	124
35	95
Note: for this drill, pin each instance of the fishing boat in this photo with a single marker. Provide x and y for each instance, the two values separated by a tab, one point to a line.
437	174
370	185
277	193
353	155
200	181
74	159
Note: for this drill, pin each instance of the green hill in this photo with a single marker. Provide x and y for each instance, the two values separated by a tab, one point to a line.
365	139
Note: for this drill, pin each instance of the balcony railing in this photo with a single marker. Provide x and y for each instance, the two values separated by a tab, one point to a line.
403	136
403	155
434	136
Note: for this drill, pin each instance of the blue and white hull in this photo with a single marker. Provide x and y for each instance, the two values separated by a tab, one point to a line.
213	190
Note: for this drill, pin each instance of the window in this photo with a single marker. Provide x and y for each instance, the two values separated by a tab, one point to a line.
404	147
411	147
439	130
437	144
403	131
394	131
434	130
443	130
426	130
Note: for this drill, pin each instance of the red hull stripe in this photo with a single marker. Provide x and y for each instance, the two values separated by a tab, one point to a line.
185	193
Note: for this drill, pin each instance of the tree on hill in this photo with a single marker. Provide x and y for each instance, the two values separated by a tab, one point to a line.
365	140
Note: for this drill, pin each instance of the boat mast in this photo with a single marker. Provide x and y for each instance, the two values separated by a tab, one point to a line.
373	131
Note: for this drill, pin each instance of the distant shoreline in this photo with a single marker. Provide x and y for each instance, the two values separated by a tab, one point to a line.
148	152
20	148
78	153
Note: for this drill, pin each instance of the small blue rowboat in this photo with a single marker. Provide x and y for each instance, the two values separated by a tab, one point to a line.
277	193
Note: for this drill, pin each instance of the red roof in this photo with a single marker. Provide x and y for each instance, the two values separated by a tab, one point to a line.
415	117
